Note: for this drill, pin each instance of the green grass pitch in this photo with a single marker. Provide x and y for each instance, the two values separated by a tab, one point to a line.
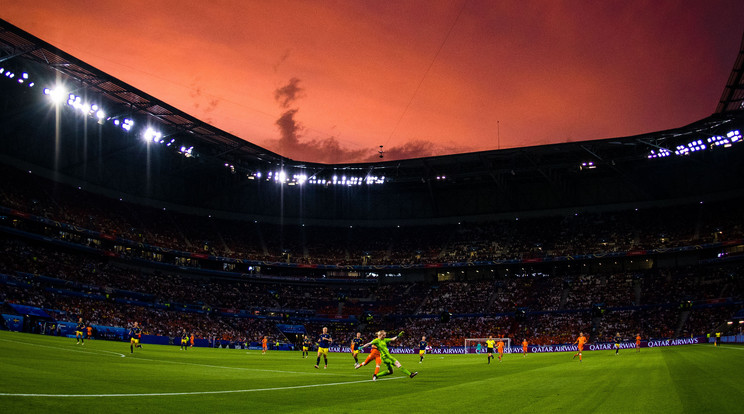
50	374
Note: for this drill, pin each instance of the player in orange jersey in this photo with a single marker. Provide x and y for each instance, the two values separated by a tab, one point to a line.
524	347
581	340
264	344
191	340
638	342
500	347
374	353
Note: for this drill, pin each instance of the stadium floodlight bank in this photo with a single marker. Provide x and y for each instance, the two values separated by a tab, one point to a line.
471	344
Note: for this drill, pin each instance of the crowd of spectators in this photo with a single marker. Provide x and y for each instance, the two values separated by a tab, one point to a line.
545	309
514	238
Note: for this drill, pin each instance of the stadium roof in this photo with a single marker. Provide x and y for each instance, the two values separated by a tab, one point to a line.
732	98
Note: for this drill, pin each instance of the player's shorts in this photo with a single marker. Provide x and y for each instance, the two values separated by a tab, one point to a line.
489	350
79	333
323	351
524	349
134	341
617	345
184	341
638	344
304	349
581	348
422	351
501	351
389	361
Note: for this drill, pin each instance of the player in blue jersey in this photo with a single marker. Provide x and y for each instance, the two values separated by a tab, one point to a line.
422	348
324	342
356	347
134	337
79	329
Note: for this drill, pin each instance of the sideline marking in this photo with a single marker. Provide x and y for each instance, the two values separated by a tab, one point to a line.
170	394
91	351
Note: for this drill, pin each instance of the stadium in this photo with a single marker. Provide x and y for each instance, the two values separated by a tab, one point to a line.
116	208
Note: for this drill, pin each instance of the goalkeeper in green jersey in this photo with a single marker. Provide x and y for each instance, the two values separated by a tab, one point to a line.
382	346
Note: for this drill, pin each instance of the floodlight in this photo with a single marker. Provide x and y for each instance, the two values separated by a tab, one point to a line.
57	94
24	75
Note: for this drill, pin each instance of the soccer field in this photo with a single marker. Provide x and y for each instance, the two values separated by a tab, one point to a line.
51	374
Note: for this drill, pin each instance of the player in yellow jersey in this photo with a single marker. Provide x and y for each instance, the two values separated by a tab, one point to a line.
490	344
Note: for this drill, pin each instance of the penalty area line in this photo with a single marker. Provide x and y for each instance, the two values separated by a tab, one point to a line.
173	394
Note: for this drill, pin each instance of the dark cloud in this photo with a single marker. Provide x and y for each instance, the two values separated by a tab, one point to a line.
282	58
416	149
329	150
289	93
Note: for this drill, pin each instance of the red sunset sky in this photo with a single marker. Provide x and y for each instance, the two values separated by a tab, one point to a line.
330	81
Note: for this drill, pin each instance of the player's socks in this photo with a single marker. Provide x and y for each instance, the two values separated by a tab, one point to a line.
377	370
405	371
131	349
317	362
356	359
388	372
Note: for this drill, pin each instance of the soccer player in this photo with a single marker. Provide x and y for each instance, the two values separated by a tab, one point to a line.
184	340
90	332
324	342
422	348
478	348
134	337
79	332
638	342
382	345
306	345
264	344
581	340
489	348
618	339
500	347
524	347
191	340
374	353
356	347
